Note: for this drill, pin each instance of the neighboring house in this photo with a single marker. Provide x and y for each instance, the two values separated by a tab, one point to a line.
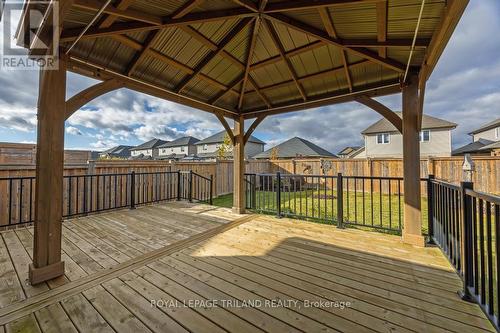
120	151
350	152
208	148
147	149
485	140
295	148
178	149
383	140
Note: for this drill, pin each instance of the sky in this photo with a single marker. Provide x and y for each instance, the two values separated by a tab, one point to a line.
464	88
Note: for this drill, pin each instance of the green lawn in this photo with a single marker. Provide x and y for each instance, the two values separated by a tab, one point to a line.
381	211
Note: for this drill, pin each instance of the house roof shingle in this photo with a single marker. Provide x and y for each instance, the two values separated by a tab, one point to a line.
184	141
154	143
473	147
295	147
428	122
219	137
487	126
118	150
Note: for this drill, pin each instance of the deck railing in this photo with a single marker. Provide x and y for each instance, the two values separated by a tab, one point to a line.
374	202
84	194
466	226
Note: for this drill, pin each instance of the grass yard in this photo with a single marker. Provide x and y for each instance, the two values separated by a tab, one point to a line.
379	211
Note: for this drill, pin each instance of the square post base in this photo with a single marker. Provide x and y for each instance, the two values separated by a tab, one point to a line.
417	240
42	274
238	210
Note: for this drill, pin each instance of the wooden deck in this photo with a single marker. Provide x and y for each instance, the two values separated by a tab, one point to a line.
183	268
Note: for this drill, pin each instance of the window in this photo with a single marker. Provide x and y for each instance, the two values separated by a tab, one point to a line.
383	138
172	149
425	136
205	147
182	149
497	132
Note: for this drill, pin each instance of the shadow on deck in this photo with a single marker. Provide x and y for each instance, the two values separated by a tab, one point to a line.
207	270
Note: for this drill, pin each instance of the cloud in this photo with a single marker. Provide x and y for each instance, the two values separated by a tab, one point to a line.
73	131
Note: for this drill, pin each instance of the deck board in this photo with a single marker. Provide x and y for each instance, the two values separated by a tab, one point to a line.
181	253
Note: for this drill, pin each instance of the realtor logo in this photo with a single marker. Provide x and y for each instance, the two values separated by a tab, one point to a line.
30	40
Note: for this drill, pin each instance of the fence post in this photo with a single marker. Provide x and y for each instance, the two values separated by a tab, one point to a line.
190	194
254	192
211	189
278	194
178	185
132	190
430	208
466	246
340	201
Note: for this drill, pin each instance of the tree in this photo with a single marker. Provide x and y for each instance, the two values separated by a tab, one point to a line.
224	148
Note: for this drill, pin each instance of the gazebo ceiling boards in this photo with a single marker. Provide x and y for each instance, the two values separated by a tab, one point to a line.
243	57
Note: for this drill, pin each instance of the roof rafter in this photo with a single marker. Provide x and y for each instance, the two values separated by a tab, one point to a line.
95	5
382	26
153	36
134	26
110	19
305	4
385	88
322	35
281	50
226	40
248	4
330	28
250	53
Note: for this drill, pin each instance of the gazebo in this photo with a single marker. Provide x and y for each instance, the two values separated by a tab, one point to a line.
239	60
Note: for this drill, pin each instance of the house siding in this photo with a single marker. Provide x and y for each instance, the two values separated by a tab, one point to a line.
251	148
188	150
145	152
438	145
488	135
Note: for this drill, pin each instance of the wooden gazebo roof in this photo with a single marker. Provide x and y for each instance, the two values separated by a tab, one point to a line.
247	57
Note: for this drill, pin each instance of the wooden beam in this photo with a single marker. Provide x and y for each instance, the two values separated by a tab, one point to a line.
226	126
382	26
330	28
220	47
262	5
308	47
450	18
259	92
325	73
186	8
149	42
380	89
412	230
232	85
83	97
285	6
383	110
248	4
239	166
110	19
250	53
281	50
80	66
322	35
47	262
252	127
95	6
135	26
153	37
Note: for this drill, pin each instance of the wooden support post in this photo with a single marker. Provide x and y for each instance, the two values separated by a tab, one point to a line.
412	230
47	262
239	166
